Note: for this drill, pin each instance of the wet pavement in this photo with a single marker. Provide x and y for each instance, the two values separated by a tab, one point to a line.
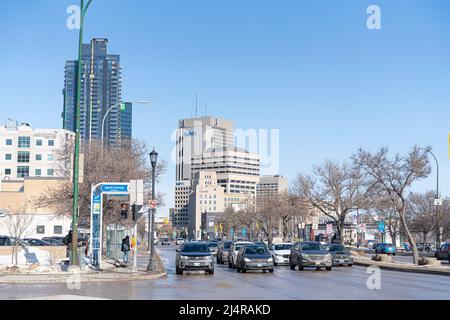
340	283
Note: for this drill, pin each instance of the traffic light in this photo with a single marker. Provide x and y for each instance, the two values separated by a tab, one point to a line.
124	211
134	211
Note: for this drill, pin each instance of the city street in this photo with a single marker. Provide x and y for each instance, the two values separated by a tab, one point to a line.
340	283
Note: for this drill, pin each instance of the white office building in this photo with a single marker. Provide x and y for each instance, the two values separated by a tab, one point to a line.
27	152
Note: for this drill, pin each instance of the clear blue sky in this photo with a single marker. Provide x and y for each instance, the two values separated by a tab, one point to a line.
311	69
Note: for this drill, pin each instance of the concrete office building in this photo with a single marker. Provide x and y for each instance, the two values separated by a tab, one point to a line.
271	185
206	200
180	211
27	152
195	136
101	88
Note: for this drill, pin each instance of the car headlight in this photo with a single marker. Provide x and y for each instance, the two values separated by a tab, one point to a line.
247	260
184	257
209	258
305	256
270	260
328	256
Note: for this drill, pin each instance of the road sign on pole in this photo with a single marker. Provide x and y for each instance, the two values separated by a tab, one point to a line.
152	204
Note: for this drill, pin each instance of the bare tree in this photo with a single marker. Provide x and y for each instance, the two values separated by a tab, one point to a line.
247	218
122	163
227	220
422	215
336	190
18	223
385	210
267	216
393	177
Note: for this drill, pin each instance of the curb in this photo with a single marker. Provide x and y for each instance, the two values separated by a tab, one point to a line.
82	278
412	269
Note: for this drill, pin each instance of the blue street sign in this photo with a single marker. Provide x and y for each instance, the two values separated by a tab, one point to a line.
244	232
381	226
232	232
114	188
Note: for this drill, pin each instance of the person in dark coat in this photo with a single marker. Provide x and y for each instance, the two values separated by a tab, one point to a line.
125	248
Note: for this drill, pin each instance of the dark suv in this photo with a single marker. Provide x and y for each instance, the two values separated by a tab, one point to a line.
193	256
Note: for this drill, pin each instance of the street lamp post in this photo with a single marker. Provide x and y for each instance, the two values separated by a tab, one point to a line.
112	108
151	218
76	157
437	196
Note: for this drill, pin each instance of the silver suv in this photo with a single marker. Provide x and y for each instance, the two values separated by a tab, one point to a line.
310	254
194	256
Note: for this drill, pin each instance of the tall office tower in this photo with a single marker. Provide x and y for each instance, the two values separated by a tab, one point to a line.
195	136
101	88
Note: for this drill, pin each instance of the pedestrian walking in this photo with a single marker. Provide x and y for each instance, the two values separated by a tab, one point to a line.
125	248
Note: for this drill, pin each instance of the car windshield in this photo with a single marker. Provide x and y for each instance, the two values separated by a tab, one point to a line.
212	244
312	247
227	245
338	247
195	248
285	246
240	245
255	250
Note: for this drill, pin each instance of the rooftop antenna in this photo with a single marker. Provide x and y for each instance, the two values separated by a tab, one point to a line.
196	104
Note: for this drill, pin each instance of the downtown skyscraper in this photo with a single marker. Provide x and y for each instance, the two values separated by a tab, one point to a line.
101	88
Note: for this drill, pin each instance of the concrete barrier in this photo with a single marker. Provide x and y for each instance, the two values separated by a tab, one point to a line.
425	261
382	258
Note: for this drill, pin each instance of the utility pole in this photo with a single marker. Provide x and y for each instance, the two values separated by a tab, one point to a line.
76	159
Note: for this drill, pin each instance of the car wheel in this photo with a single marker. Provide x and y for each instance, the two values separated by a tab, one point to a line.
230	266
350	264
328	268
300	266
291	265
270	270
211	271
179	271
243	270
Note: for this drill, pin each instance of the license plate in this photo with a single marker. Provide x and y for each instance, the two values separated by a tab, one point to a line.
341	261
317	263
259	265
196	264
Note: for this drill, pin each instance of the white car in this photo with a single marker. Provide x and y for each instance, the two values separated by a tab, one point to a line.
234	249
281	253
180	241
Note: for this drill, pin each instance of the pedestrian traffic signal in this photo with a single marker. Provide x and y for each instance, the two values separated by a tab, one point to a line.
134	211
124	211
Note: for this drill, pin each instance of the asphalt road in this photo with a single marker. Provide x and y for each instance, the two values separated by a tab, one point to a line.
340	283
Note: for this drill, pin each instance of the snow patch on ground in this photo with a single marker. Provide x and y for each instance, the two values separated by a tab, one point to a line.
28	256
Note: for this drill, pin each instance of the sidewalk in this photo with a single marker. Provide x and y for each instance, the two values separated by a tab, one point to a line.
401	266
108	272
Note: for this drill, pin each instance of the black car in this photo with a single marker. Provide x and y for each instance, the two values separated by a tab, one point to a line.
193	256
36	242
54	241
222	252
254	257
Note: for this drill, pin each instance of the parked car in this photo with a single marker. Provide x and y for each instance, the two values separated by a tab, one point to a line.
444	252
386	248
165	241
53	241
281	253
213	246
222	251
310	254
192	256
254	257
48	239
179	241
234	249
425	247
341	255
36	242
6	241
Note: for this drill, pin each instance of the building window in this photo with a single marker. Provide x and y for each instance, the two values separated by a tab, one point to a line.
50	172
23	156
40	229
9	142
39	143
51	143
23	172
37	172
24	142
7	172
57	229
50	157
38	157
8	156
